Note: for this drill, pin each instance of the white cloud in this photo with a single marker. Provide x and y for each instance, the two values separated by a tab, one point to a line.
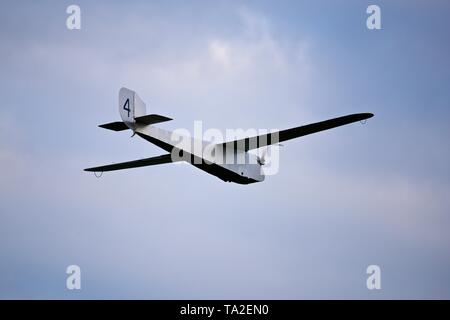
254	48
246	64
220	53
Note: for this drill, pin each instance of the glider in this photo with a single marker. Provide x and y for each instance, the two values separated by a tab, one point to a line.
217	161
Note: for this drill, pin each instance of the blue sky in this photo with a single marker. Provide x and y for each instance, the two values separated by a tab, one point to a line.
343	199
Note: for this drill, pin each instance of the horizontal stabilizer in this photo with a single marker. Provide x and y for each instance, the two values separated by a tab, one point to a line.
166	158
151	119
116	126
144	120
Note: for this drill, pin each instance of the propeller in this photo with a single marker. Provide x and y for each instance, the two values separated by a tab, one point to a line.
261	159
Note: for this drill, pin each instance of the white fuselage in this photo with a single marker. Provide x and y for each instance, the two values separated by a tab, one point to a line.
228	164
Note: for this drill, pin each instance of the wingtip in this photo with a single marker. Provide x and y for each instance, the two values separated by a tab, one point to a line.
367	115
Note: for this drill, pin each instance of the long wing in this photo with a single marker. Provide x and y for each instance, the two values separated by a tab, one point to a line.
166	158
283	135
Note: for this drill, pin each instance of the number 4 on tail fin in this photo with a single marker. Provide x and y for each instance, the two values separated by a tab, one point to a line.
126	107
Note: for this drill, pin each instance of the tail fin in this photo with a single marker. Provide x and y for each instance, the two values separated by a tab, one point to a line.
130	106
132	111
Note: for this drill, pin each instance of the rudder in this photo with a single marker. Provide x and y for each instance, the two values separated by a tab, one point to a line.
131	106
